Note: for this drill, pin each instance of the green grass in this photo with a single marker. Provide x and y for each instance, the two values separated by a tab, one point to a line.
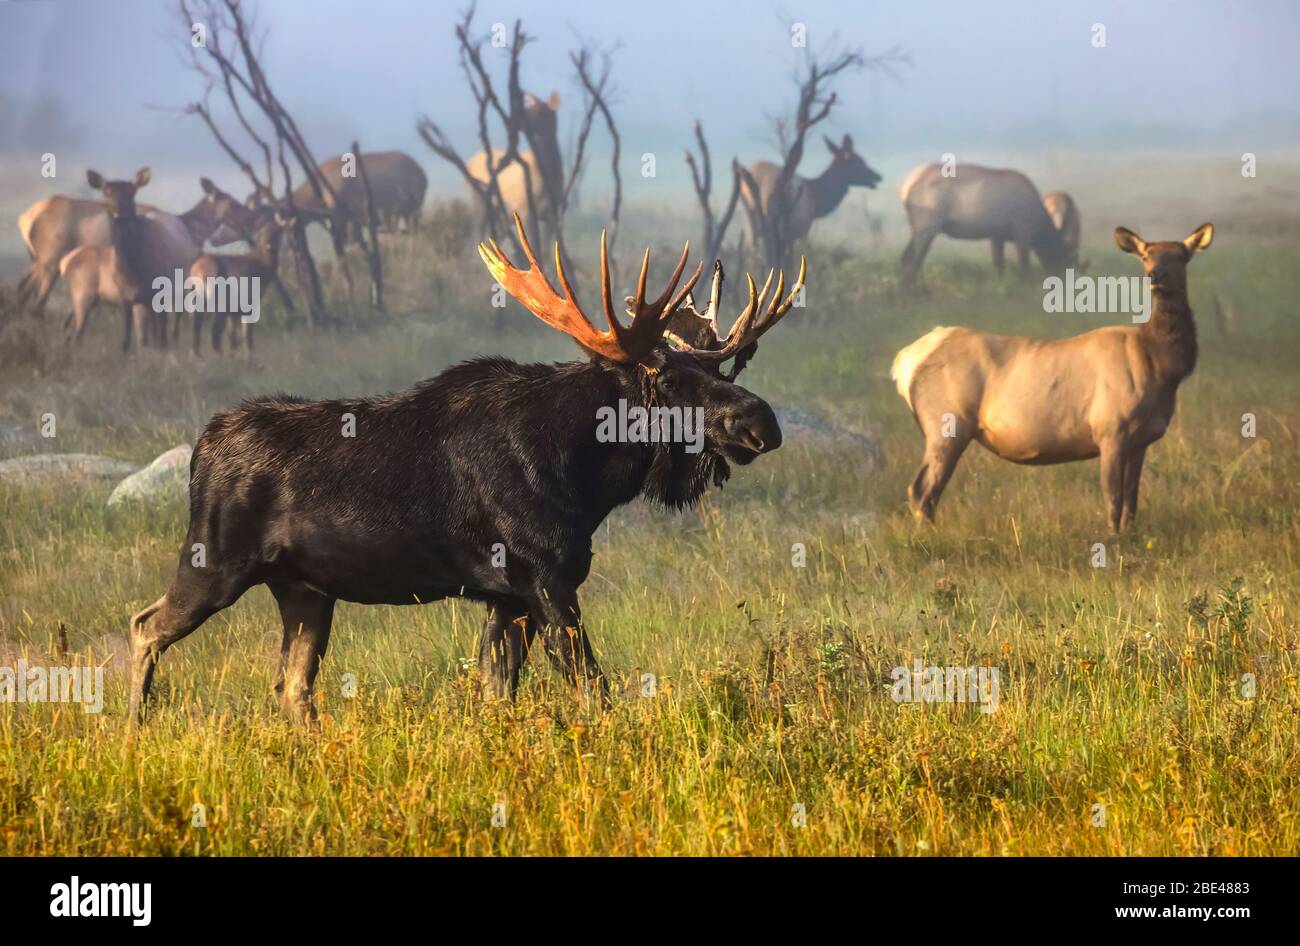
1121	685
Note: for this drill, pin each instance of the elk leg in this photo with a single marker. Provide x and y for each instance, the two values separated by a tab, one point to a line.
999	256
82	312
941	456
1132	477
194	596
502	650
567	646
140	316
914	255
1022	253
218	331
1112	482
198	333
127	326
307	616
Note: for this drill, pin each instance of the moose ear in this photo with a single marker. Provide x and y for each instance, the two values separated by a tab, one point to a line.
1128	241
141	178
1200	238
208	186
94	180
847	145
554	101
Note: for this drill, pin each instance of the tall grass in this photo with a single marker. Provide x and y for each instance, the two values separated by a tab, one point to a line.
1122	686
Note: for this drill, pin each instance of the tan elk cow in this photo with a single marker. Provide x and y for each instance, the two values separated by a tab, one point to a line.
140	249
979	203
397	182
53	227
260	264
545	167
810	198
1064	212
1108	393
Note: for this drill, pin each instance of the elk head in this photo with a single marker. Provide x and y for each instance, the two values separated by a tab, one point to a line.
227	217
1165	262
670	354
849	164
119	196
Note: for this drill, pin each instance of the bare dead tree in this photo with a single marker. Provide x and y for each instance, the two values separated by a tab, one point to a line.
548	191
230	58
702	178
815	77
372	224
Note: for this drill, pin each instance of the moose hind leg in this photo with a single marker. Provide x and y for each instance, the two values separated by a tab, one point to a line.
567	645
507	637
307	617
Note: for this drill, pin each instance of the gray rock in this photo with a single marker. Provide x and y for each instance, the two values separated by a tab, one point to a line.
164	478
65	466
799	425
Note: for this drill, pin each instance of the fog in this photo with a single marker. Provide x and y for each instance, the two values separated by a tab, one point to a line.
97	81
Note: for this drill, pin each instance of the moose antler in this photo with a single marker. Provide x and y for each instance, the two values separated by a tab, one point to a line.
759	316
626	344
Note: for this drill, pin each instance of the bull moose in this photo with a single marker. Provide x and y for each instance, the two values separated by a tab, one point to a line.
488	453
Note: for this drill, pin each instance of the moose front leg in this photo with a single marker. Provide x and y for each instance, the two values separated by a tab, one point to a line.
507	636
567	646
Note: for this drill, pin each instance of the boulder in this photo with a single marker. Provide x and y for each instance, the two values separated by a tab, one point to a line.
164	478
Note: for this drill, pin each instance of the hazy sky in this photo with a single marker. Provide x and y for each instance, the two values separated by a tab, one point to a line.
1019	73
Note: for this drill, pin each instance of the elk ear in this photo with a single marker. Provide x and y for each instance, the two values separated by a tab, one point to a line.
847	144
141	178
834	148
1200	238
554	101
94	180
1128	241
208	187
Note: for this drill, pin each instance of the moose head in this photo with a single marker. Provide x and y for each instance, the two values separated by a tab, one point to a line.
671	355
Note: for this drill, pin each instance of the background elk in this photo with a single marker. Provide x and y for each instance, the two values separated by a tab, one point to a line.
488	453
545	167
1109	392
980	203
397	182
139	250
261	263
53	227
808	198
1061	207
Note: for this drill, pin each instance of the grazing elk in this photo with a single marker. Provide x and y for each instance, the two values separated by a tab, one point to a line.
979	203
140	249
545	167
485	482
216	272
397	182
53	227
1109	392
1064	212
809	198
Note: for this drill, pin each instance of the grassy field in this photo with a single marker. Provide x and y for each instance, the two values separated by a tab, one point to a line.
1122	686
